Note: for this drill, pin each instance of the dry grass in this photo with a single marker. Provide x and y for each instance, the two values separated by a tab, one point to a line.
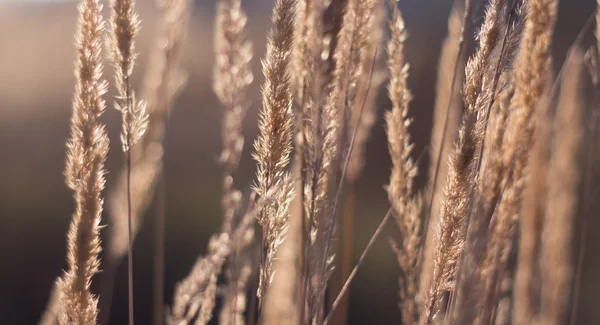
84	172
322	72
406	203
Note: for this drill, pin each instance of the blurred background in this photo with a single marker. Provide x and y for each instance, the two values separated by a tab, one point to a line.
36	83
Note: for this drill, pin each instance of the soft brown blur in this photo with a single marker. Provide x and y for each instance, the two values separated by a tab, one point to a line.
36	82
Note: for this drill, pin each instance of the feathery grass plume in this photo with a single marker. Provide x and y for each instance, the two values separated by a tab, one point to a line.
483	263
561	205
320	131
479	74
531	77
374	40
530	81
125	27
353	93
273	147
163	81
532	73
194	297
526	295
84	172
492	165
467	298
406	205
316	31
231	77
498	38
323	139
447	101
303	27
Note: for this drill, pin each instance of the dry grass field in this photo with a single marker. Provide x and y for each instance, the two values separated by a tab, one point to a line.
37	55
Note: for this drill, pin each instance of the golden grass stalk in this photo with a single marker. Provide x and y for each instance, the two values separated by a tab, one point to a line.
561	205
320	131
526	295
232	76
163	81
280	303
125	26
273	147
531	77
373	41
303	27
406	205
532	73
468	304
86	153
490	237
478	91
447	101
325	136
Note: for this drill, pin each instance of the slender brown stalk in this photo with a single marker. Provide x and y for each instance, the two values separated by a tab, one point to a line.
273	147
345	250
561	205
125	26
346	285
478	91
406	203
86	153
